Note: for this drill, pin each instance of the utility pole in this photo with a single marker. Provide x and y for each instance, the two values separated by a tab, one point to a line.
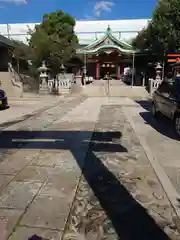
133	60
8	27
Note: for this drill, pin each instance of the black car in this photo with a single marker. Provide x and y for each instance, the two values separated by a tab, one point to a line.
3	99
166	100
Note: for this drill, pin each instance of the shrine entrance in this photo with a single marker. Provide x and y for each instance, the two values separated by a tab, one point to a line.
108	68
106	55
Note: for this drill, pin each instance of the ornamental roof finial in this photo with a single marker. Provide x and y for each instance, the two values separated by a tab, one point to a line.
108	31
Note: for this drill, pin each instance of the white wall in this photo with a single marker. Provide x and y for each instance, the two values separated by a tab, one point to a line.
87	31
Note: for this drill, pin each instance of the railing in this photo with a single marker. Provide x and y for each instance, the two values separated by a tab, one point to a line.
64	83
59	84
50	84
15	80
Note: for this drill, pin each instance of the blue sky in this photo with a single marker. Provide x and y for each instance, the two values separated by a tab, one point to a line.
20	11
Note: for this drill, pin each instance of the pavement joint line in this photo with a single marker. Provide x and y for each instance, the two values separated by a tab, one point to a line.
78	184
42	227
14	176
26	208
164	180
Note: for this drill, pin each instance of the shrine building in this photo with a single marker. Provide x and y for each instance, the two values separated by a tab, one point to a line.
107	54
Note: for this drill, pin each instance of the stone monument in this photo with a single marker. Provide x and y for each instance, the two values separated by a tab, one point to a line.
43	87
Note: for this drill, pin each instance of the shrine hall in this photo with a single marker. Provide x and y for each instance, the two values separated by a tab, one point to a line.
107	55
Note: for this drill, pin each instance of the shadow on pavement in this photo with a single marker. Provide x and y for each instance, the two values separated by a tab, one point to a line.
4	108
146	104
161	124
129	219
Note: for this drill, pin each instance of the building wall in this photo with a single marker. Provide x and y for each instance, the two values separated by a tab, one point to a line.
87	31
4	59
91	70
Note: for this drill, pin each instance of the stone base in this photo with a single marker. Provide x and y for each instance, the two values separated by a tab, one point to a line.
43	90
76	88
64	91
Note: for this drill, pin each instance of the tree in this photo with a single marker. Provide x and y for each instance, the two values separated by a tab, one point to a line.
21	50
54	40
163	32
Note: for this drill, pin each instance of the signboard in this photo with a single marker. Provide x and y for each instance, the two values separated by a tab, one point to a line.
173	58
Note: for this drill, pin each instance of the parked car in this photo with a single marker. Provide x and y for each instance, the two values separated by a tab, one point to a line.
166	100
3	99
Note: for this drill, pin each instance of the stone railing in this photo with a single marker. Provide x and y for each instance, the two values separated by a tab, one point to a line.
59	85
64	83
50	84
154	84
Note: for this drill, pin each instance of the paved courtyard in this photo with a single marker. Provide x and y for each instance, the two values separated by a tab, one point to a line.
21	108
89	169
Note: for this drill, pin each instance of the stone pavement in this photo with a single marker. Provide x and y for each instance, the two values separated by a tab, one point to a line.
21	108
161	145
114	89
78	171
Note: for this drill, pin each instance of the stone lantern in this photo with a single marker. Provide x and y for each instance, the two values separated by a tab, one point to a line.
158	71
43	88
62	68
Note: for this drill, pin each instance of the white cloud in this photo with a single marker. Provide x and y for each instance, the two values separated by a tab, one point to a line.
15	1
105	6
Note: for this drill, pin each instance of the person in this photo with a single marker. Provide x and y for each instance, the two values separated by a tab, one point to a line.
82	78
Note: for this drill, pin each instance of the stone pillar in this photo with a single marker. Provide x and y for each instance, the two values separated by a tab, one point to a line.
118	72
97	70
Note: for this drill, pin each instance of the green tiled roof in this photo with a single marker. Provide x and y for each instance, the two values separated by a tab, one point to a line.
112	43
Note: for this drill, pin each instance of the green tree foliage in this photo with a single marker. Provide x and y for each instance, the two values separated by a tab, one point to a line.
163	32
21	50
54	40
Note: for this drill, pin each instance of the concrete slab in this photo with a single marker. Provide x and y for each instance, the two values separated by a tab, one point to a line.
47	212
32	173
61	183
13	164
24	233
118	183
51	159
8	220
4	180
18	195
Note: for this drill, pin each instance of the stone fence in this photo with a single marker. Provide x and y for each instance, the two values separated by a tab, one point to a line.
61	84
154	84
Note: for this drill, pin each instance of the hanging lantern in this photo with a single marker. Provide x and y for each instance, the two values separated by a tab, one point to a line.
107	65
103	65
112	65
